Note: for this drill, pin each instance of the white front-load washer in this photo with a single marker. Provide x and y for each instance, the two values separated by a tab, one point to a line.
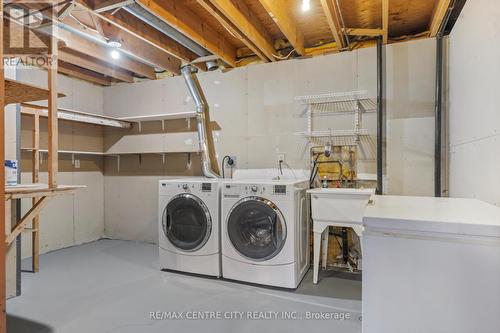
189	225
265	231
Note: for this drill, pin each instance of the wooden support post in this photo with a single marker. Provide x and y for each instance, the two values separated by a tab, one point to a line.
3	248
52	113
35	236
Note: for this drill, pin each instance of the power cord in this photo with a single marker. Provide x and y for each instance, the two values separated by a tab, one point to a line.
230	162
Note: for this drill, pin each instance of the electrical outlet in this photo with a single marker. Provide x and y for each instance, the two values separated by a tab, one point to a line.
281	157
227	162
77	164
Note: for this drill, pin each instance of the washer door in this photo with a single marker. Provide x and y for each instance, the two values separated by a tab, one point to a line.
186	222
256	228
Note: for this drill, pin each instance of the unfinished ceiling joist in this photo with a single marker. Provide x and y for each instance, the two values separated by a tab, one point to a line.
95	65
282	16
147	33
240	16
438	16
225	22
364	32
192	26
97	51
333	17
108	5
83	74
385	21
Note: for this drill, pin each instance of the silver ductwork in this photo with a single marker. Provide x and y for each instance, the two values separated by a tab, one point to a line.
146	16
202	119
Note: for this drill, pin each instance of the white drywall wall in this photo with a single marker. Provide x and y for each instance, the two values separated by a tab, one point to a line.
256	110
70	219
474	105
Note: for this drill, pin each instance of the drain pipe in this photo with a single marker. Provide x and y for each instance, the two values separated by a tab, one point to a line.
202	120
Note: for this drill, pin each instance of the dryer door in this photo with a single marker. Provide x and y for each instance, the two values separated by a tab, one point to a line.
256	228
186	222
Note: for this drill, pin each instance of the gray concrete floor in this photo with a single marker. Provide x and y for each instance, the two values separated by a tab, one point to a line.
112	286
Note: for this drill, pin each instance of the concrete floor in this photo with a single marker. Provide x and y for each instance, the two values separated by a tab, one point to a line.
112	286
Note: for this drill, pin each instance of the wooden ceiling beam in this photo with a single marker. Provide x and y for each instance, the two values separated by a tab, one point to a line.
135	26
385	21
333	18
102	53
245	21
108	5
283	17
440	9
179	16
131	43
94	65
142	49
225	22
83	74
364	32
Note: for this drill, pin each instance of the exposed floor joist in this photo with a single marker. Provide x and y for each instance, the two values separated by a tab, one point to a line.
333	18
364	32
385	21
85	46
191	25
133	25
111	5
225	22
282	16
438	15
83	74
94	65
243	19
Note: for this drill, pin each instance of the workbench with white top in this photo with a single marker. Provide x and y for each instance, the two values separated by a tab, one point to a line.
431	265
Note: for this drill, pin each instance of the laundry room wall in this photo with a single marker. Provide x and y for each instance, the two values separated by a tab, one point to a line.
474	108
258	116
68	219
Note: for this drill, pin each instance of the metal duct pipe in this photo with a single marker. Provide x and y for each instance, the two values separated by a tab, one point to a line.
202	118
144	15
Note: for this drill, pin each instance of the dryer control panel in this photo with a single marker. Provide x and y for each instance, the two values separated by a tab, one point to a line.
245	190
188	187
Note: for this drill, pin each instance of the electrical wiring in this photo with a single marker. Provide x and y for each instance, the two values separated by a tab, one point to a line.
223	165
285	57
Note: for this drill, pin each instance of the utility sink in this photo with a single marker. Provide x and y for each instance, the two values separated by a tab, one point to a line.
339	205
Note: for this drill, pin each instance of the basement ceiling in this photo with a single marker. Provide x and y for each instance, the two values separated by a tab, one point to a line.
233	32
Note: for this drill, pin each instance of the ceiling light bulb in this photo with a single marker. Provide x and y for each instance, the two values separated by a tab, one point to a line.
306	5
114	43
115	54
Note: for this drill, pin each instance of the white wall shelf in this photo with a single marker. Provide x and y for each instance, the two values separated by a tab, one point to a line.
77	116
158	117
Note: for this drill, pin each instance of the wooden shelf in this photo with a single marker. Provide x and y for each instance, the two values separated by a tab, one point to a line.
19	92
76	116
164	116
38	190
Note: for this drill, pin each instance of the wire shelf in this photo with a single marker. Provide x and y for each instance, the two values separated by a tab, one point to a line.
337	103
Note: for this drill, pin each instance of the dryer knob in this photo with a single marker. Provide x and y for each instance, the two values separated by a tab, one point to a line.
185	186
254	188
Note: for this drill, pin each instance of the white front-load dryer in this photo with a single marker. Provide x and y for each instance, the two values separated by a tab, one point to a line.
265	231
189	225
